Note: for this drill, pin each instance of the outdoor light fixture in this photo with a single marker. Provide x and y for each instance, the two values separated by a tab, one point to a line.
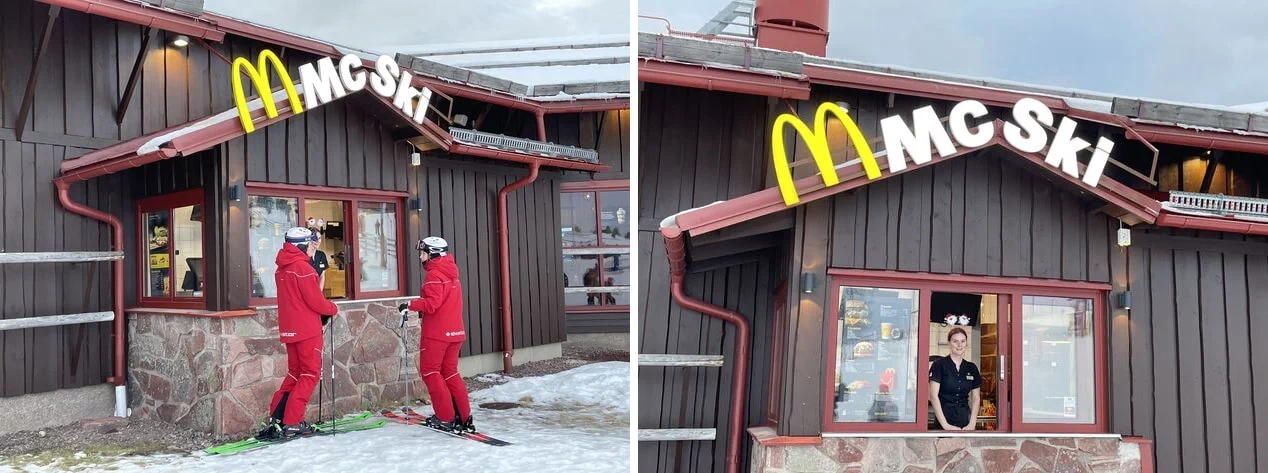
416	204
1124	235
807	283
415	159
180	41
1125	300
235	193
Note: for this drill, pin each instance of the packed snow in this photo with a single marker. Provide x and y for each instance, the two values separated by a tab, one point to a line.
576	420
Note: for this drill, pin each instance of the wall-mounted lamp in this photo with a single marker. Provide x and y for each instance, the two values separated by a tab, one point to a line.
1124	300
415	159
808	283
416	204
235	193
1124	235
180	41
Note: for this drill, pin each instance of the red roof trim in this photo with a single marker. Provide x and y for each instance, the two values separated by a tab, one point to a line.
727	80
1168	219
144	15
811	188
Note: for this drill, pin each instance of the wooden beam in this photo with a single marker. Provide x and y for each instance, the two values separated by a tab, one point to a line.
133	77
25	111
1211	163
679	360
55	320
61	257
676	435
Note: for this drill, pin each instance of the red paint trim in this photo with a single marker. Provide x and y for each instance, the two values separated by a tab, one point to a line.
767	437
119	378
595	185
589	309
1203	139
726	80
676	252
222	314
973	283
143	15
504	263
1168	219
767	201
1099	362
1146	452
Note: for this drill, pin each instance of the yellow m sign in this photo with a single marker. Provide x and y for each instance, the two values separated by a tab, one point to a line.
260	78
817	142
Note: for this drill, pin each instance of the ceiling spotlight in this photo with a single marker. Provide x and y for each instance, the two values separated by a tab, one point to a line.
180	41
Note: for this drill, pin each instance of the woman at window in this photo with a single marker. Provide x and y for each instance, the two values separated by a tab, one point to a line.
955	386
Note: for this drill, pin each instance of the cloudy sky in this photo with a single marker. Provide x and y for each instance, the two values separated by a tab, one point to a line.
371	23
1209	51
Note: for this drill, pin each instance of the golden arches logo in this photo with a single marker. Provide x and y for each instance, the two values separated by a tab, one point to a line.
817	142
260	78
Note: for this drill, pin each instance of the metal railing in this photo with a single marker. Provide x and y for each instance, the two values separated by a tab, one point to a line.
491	140
1220	204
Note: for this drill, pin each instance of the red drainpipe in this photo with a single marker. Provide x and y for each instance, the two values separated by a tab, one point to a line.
504	254
116	241
541	125
675	248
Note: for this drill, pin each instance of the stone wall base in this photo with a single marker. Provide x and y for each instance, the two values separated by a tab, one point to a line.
964	454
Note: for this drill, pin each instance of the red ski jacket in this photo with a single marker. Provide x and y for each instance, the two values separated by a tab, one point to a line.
300	303
441	304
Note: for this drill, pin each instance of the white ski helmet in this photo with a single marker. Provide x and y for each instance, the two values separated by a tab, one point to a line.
300	236
434	246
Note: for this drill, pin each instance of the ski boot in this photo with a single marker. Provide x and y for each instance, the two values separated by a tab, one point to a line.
465	425
435	423
302	428
272	430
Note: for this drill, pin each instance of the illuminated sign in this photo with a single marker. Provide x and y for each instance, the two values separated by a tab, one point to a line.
928	134
323	82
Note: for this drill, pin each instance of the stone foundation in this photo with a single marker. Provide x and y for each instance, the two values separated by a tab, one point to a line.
945	455
218	374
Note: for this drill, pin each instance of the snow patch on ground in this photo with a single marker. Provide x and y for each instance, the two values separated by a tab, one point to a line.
604	385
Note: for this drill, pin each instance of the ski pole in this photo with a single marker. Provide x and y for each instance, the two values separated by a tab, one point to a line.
333	428
405	346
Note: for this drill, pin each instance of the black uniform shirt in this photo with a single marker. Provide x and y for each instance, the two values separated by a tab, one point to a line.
954	385
320	263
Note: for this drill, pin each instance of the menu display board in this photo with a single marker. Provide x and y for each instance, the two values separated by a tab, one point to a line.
877	343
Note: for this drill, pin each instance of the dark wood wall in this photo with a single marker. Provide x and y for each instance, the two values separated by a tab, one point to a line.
605	132
1183	363
697	147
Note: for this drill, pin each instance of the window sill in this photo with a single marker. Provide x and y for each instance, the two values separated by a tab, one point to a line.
223	314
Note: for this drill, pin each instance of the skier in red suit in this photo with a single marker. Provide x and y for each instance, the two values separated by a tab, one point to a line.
302	313
443	334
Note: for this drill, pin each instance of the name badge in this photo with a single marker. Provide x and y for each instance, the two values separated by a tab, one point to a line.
969	377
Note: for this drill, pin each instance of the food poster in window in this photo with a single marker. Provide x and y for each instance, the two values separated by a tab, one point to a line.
876	355
159	264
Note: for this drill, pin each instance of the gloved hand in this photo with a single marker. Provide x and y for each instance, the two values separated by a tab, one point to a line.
325	319
403	307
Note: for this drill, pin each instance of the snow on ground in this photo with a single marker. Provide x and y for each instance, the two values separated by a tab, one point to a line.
577	420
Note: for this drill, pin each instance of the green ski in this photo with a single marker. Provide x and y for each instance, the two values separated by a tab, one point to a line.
347	424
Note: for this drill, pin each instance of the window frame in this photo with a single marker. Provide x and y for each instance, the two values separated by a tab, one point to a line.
168	202
597	187
779	324
351	200
1015	289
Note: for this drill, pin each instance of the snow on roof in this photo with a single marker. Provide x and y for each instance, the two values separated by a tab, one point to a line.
580	74
534	57
509	45
1257	107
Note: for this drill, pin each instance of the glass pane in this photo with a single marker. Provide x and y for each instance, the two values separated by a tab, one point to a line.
582	271
189	250
270	218
325	218
576	210
158	265
1058	360
614	220
616	272
377	245
877	347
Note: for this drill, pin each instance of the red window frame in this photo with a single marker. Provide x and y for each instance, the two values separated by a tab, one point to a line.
352	200
168	203
598	187
1015	289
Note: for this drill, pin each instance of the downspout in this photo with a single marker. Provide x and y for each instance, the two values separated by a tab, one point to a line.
119	379
675	249
541	125
504	254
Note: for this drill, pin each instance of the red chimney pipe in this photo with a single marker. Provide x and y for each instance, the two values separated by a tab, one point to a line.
504	254
793	25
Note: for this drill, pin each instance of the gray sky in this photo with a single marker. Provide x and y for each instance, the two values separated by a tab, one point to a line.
370	23
1212	51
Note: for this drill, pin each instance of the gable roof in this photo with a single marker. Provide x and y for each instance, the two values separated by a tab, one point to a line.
1131	206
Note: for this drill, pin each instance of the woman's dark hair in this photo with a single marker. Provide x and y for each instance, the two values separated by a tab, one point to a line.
958	330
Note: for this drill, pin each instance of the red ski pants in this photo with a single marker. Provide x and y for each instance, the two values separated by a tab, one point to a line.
438	365
303	370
